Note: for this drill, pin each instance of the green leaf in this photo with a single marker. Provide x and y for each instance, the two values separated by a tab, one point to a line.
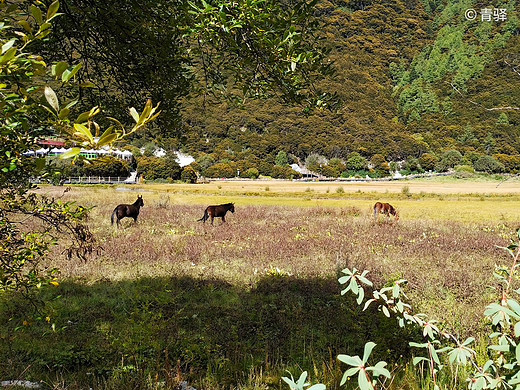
363	382
83	117
146	111
25	24
134	114
52	99
468	341
433	353
64	113
379	369
71	153
6	46
301	380
361	295
343	279
53	8
37	14
344	378
501	347
517	329
83	132
350	360
45	29
368	350
8	55
70	104
317	386
364	280
59	68
67	75
395	291
513	304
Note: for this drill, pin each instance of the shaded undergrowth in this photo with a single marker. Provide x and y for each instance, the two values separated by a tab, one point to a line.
199	330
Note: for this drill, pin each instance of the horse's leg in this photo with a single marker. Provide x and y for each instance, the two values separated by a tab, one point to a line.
212	219
377	210
223	218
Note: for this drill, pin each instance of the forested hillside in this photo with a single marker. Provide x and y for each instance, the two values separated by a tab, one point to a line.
413	76
420	87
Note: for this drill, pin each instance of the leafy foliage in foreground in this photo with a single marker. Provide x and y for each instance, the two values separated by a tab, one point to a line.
31	223
501	371
219	50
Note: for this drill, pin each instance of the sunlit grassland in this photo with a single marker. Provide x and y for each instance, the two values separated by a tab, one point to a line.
441	235
227	305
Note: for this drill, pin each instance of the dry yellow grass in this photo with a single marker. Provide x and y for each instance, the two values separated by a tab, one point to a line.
429	186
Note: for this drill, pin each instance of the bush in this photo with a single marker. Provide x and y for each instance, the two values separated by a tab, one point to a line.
427	161
106	166
413	165
330	171
449	160
380	164
278	172
499	370
219	170
488	164
355	162
188	174
252	173
153	168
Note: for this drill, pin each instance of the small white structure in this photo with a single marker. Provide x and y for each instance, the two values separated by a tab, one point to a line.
184	159
303	170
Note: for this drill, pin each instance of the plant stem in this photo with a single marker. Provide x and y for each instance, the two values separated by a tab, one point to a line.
503	301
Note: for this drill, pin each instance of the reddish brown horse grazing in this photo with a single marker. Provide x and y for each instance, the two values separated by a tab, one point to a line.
127	210
386	209
217	211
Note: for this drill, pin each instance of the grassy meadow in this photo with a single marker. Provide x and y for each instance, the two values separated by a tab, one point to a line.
234	305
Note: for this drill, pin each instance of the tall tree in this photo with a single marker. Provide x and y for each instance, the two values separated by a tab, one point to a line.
164	50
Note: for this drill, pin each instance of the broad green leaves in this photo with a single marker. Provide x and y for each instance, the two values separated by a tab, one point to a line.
270	49
354	278
366	374
300	384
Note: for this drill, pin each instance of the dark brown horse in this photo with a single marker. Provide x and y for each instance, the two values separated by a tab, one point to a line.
127	210
217	211
386	209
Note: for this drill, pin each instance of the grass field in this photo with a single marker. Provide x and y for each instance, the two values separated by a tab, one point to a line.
233	305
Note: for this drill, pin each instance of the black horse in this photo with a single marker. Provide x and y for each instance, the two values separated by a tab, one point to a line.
217	211
127	210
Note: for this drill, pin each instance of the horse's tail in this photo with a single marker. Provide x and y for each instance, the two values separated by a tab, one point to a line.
205	216
112	216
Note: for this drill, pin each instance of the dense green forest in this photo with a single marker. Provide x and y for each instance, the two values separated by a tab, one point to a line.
419	87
